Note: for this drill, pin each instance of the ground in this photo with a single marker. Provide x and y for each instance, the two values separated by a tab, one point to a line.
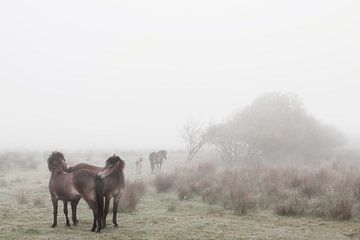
158	216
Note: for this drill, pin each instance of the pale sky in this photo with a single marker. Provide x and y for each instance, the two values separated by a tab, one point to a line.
128	74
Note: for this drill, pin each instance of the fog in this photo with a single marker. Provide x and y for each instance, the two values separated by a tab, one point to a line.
129	74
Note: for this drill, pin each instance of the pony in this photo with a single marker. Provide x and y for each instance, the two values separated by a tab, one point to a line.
73	186
156	159
114	182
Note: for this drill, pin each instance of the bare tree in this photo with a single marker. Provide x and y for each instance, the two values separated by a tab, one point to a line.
194	136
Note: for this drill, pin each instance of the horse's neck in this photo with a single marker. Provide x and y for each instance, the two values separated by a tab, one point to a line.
56	172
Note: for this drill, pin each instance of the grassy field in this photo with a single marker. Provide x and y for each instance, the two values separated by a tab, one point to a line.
158	215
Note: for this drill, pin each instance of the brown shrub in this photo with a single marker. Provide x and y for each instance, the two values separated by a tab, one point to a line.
309	186
356	189
335	203
164	182
213	194
132	195
184	192
342	210
296	204
206	169
240	198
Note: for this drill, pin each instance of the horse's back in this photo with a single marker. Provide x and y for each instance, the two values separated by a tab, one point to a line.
85	166
153	156
84	181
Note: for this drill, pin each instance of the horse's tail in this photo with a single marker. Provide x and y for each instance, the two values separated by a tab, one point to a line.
99	189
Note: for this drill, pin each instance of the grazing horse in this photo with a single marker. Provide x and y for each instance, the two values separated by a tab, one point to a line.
72	186
114	181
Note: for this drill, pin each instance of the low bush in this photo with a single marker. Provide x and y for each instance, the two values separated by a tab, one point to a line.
296	204
164	182
132	195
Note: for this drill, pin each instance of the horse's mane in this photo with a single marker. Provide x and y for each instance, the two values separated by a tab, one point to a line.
114	159
54	156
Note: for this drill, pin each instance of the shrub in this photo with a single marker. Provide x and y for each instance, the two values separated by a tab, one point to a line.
240	197
356	189
213	194
309	186
206	169
335	203
164	182
131	196
342	209
296	204
184	192
340	205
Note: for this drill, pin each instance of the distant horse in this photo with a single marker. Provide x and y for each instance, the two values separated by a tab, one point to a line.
156	160
161	158
72	186
138	164
153	158
114	181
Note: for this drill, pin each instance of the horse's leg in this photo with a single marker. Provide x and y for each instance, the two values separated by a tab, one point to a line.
115	208
97	220
95	214
66	214
74	204
106	209
93	205
55	210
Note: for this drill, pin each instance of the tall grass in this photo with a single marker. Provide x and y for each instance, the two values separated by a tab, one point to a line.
326	192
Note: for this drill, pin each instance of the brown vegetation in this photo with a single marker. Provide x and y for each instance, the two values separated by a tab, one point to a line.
131	196
324	192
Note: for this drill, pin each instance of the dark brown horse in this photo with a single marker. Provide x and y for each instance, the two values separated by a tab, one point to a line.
73	186
114	181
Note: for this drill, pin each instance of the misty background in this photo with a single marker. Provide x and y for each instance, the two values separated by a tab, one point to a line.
129	74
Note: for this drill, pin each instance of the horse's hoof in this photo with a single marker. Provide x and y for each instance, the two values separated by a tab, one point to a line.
98	231
53	226
93	230
116	225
